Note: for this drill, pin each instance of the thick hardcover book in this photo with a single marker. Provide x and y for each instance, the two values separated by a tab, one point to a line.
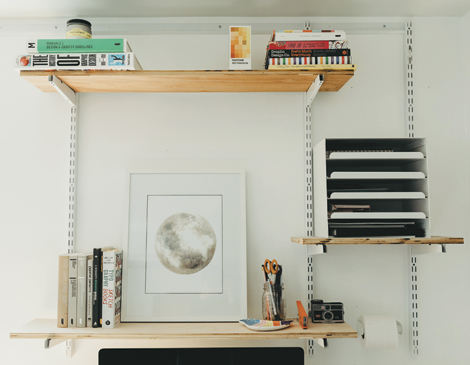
78	61
309	35
63	292
89	293
308	61
289	53
107	45
112	285
82	263
308	45
73	272
311	67
97	285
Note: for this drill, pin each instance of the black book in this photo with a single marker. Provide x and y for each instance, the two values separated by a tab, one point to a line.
97	287
290	53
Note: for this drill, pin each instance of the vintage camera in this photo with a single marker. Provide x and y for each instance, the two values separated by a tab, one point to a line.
332	312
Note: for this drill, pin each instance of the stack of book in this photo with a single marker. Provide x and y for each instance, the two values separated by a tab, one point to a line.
78	54
308	49
89	292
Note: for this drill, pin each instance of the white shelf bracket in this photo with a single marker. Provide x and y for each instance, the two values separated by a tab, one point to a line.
62	88
426	249
313	89
50	342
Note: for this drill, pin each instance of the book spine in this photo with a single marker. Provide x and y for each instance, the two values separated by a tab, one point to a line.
108	288
89	296
81	290
312	67
112	274
309	45
63	292
309	36
78	61
107	45
297	62
72	306
290	53
96	287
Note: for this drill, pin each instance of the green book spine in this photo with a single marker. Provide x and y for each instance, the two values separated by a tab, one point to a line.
109	45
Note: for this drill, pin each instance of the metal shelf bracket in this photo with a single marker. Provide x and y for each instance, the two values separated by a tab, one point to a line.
50	342
62	88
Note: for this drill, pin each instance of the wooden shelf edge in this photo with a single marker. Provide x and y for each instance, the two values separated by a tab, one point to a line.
191	81
46	329
377	241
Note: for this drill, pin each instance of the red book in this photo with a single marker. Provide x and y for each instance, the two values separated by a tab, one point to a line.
308	45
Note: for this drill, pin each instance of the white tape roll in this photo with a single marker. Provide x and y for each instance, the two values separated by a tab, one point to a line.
379	332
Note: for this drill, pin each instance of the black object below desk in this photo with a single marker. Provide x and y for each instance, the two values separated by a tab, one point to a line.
203	356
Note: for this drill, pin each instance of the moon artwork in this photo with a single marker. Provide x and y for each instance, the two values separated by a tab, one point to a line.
185	243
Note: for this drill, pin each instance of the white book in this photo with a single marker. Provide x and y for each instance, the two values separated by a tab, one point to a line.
89	293
78	61
72	302
378	215
82	276
377	175
112	287
375	155
337	35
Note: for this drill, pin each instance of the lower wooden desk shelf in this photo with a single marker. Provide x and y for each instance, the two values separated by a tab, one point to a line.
47	329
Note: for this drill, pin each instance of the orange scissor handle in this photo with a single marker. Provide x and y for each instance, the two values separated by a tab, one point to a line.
271	266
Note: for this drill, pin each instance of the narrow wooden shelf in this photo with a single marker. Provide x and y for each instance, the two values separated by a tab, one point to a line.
47	329
190	81
376	241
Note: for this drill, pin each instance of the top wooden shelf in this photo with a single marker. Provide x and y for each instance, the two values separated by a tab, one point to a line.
47	328
191	81
376	241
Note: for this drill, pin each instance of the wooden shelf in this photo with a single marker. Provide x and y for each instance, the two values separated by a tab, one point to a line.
376	241
190	81
47	329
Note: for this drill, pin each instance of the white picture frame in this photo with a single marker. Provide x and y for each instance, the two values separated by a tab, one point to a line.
185	259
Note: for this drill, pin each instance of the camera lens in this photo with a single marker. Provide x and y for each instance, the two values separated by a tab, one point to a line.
328	316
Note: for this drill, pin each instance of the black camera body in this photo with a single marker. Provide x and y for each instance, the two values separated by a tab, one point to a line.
321	312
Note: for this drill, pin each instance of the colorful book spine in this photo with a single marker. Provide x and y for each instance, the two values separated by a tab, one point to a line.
72	304
308	61
112	285
311	67
288	53
78	61
309	35
63	292
309	45
107	45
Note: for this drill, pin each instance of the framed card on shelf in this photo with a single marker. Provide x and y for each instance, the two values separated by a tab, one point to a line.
186	247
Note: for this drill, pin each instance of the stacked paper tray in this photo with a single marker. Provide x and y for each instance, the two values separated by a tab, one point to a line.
378	195
377	175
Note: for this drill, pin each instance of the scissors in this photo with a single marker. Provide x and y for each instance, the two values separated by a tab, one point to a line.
270	267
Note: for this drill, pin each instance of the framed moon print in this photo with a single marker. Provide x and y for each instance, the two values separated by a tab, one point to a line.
186	247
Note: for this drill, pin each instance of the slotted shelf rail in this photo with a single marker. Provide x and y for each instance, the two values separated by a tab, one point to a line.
191	81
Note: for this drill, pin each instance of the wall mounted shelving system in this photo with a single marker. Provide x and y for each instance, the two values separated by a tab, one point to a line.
69	83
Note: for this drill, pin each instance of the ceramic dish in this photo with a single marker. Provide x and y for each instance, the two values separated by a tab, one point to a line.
263	325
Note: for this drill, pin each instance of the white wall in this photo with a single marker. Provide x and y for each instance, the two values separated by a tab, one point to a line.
262	133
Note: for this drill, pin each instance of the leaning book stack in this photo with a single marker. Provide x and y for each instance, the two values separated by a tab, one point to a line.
90	289
308	49
78	54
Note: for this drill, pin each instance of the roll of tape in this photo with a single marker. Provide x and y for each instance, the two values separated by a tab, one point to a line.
379	332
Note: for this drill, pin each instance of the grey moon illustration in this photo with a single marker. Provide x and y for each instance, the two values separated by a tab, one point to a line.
185	243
